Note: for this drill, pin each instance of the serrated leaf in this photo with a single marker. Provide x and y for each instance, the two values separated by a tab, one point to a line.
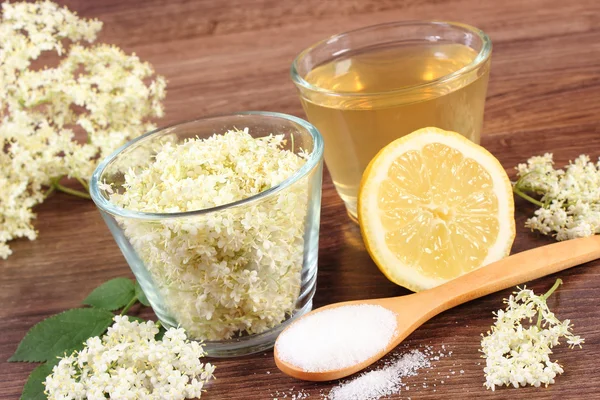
59	333
34	387
112	295
141	296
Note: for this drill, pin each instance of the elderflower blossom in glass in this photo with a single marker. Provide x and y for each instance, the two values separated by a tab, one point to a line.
218	219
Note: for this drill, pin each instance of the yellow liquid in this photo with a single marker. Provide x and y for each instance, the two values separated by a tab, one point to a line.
378	99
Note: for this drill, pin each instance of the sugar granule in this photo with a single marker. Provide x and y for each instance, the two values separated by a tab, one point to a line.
291	395
376	384
337	338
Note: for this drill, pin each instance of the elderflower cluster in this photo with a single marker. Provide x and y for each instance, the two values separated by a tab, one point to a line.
129	363
59	121
228	271
570	198
517	355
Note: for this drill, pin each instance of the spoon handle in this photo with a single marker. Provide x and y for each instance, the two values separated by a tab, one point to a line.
512	271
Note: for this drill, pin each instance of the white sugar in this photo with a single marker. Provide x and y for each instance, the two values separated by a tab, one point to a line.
376	384
337	338
291	395
372	385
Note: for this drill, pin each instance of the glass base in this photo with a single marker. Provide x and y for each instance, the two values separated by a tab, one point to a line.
350	202
251	344
352	217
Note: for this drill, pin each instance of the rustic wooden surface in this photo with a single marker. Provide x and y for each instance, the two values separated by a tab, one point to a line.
224	56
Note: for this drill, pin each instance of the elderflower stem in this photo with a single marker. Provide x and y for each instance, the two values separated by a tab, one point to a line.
128	306
48	192
292	136
84	184
525	196
553	288
545	297
70	191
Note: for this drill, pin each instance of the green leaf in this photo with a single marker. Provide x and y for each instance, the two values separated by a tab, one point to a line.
161	332
112	295
65	331
141	296
34	388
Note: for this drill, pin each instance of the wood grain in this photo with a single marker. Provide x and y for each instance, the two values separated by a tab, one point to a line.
224	56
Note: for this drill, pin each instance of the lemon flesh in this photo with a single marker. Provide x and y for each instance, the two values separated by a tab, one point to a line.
434	206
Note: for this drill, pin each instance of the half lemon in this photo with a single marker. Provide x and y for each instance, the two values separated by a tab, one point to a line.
432	206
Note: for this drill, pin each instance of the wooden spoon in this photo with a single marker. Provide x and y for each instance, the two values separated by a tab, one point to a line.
415	309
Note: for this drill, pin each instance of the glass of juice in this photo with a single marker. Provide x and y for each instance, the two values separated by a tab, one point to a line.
365	88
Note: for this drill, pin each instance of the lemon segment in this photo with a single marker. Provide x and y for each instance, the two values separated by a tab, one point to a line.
432	206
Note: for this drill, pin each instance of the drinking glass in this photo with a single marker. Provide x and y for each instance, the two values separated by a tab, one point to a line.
234	275
365	88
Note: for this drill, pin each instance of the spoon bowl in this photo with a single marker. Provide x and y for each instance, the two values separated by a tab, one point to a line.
415	309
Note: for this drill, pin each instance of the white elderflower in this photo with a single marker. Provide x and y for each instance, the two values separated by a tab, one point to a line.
570	198
229	271
58	122
519	355
129	363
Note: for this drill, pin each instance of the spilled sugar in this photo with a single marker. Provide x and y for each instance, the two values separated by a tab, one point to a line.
374	385
337	337
291	395
385	381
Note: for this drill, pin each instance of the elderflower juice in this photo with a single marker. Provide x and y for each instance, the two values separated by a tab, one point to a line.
366	88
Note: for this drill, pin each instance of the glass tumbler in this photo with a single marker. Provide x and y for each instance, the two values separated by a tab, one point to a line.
365	88
235	275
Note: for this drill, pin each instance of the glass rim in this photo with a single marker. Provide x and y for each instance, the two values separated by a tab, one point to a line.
482	56
107	206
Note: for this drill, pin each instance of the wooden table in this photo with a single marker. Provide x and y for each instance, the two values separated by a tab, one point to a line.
224	56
